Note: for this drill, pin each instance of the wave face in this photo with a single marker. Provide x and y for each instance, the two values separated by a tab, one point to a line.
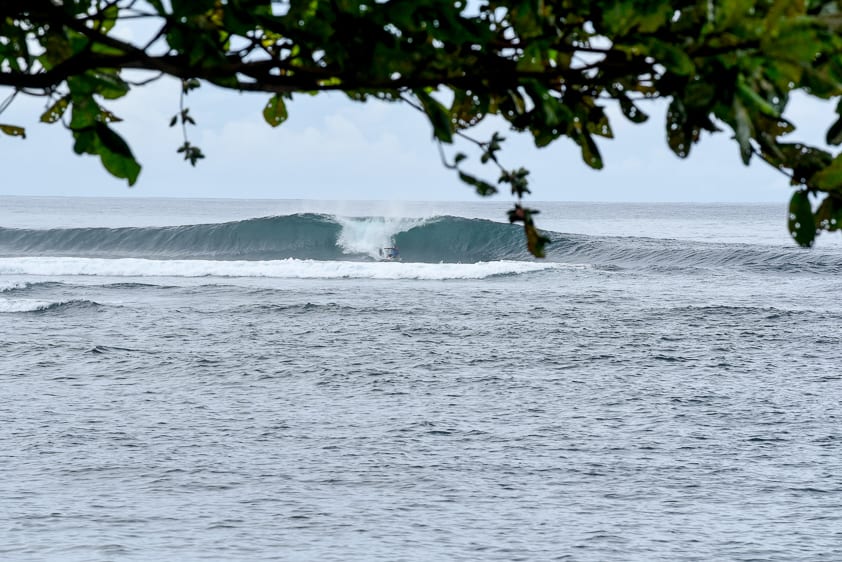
9	306
326	238
302	236
668	254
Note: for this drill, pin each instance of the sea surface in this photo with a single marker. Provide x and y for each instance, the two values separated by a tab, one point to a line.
244	380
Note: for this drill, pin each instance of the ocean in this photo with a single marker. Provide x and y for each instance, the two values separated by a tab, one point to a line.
244	380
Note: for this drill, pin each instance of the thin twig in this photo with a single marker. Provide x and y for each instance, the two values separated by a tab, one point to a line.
8	101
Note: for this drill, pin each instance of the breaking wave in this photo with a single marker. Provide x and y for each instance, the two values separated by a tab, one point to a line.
33	305
275	246
302	236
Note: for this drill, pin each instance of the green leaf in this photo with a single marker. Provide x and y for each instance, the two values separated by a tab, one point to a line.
829	214
84	113
116	155
56	110
679	135
121	166
743	130
107	84
802	224
13	131
753	99
671	56
648	16
191	7
190	84
805	161
618	17
111	86
798	40
438	115
783	9
467	110
631	111
834	133
829	178
590	152
517	179
275	111
86	141
598	123
483	188
535	241
108	18
112	150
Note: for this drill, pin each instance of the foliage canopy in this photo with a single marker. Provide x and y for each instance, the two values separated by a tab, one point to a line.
548	67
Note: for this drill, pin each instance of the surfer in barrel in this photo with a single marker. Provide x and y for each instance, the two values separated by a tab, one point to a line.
392	253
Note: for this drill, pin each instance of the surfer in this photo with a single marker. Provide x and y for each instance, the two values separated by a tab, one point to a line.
390	254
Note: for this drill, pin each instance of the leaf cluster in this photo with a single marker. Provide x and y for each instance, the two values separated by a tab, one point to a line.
548	68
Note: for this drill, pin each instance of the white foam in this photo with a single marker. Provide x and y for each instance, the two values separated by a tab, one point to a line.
11	285
369	236
24	305
288	268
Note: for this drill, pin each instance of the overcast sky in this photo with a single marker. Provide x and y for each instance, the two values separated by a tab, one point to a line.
332	148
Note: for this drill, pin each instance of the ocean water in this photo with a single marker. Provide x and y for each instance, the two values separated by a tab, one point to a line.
243	380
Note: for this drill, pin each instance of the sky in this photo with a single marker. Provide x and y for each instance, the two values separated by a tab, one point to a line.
334	149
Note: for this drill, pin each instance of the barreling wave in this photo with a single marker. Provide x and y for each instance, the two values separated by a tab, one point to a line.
302	236
437	240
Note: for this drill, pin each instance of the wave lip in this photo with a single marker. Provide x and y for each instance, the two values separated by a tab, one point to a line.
289	268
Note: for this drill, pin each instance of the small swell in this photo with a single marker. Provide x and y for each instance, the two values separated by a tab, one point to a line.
10	306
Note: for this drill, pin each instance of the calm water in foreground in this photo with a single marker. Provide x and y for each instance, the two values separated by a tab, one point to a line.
239	380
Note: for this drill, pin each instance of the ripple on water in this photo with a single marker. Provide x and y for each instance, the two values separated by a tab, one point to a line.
545	420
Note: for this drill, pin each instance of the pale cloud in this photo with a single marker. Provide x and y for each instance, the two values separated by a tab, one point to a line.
332	148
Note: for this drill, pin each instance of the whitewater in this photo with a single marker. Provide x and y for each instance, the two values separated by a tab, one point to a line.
246	380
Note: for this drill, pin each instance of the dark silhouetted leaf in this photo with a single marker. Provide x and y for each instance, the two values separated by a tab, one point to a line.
631	111
116	155
834	133
482	188
829	178
829	213
802	224
438	115
743	131
678	137
590	152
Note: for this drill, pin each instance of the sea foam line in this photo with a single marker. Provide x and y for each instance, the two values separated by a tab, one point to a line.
6	286
26	305
287	268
